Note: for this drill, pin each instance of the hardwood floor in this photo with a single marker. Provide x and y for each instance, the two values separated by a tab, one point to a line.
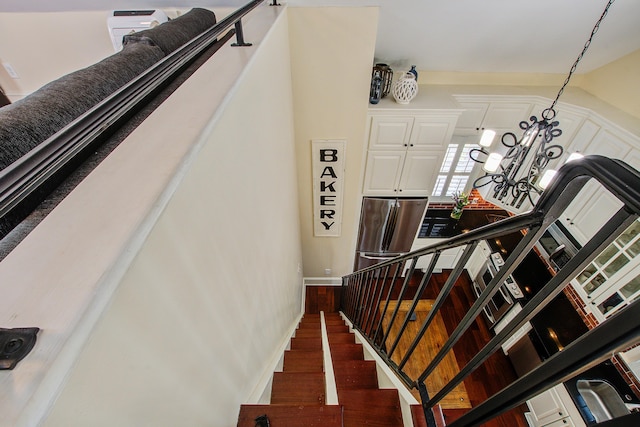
493	375
426	350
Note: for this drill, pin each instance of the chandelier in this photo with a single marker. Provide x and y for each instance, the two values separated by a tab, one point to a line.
521	173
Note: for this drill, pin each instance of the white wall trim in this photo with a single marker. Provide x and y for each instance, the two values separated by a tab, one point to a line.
329	376
264	382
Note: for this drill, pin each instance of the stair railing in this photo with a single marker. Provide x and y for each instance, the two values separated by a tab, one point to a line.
21	181
368	294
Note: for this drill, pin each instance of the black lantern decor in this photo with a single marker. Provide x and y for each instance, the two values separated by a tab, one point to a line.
386	74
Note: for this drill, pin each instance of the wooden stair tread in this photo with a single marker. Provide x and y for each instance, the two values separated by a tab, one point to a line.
304	388
380	407
417	416
355	374
310	325
303	361
337	328
302	343
308	333
348	351
292	415
345	338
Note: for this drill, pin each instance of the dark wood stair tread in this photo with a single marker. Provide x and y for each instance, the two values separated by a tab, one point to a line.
303	343
346	352
303	361
417	416
292	415
341	338
355	374
303	388
310	325
337	328
379	407
308	333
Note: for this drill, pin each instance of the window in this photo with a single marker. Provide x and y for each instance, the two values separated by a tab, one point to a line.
455	170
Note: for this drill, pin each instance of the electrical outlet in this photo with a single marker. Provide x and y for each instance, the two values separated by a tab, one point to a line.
10	70
327	272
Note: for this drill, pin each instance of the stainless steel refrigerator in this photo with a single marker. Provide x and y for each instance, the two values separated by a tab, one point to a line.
388	227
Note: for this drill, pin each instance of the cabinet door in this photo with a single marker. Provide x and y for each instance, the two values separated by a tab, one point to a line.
594	205
565	422
547	407
383	172
390	133
471	118
506	115
432	132
418	173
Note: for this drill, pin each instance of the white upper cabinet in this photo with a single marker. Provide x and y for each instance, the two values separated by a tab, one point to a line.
416	132
418	173
594	205
432	132
405	151
390	133
498	113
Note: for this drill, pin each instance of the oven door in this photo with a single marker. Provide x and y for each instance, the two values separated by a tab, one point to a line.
501	301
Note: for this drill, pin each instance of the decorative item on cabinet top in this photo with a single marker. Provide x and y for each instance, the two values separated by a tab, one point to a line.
405	88
414	71
375	93
381	77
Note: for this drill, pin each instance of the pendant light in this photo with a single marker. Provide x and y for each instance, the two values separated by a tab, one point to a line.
521	173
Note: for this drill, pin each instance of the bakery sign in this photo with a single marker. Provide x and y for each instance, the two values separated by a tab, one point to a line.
328	184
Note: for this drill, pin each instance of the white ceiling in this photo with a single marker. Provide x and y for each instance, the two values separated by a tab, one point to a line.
542	36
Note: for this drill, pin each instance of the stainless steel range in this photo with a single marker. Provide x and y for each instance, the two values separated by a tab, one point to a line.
508	293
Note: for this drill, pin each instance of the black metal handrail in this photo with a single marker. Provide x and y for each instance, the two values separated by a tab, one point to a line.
24	176
363	290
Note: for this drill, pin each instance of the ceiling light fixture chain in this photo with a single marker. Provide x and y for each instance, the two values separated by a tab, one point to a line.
520	173
596	27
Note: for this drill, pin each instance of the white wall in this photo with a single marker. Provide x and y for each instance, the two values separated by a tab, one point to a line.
332	55
43	46
216	288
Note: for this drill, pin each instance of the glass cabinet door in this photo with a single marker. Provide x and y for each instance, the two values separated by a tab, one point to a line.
612	280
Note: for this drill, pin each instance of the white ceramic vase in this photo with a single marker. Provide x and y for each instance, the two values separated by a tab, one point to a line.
405	88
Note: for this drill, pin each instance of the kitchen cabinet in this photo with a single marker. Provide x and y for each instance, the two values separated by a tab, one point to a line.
511	314
612	280
594	205
478	259
447	260
401	173
554	407
405	151
502	114
416	131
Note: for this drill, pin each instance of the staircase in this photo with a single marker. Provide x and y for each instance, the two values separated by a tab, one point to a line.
298	396
298	392
357	381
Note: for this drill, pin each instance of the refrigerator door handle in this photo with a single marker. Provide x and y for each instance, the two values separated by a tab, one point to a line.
379	257
390	226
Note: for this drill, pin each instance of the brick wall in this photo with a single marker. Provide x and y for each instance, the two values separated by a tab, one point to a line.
477	203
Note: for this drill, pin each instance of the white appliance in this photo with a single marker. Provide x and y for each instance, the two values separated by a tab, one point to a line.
123	22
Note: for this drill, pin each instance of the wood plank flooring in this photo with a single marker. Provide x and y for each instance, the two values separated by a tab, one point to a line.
486	380
426	350
495	373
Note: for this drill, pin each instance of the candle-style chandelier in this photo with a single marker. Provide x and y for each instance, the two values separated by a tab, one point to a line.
520	173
